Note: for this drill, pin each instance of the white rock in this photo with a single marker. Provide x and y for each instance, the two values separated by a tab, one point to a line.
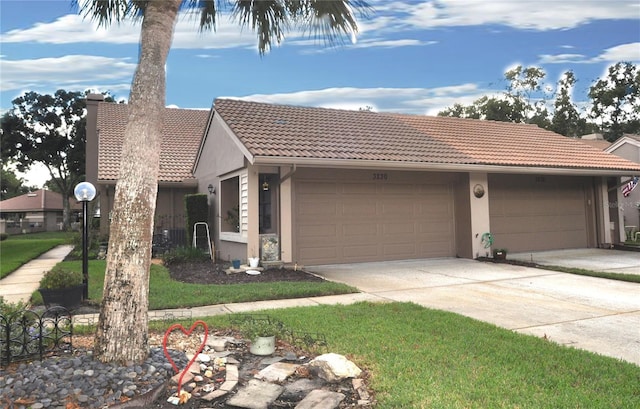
204	358
334	367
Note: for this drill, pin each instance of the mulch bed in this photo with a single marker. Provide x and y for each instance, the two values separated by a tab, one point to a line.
208	272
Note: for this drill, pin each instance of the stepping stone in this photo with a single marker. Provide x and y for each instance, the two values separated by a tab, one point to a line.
256	395
321	399
271	360
300	388
277	372
218	393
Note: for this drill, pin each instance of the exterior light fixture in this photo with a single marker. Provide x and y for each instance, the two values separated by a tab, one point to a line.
265	185
212	190
85	192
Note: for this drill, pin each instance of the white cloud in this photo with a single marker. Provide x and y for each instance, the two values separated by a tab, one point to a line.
623	52
419	101
70	71
520	14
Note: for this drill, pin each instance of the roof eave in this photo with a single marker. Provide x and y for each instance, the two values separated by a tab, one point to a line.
439	167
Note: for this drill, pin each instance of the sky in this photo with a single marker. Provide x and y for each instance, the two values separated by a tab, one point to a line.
408	56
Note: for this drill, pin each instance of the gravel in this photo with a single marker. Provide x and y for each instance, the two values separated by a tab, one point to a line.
83	381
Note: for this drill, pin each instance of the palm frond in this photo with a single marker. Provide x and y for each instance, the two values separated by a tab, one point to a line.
207	9
328	19
106	12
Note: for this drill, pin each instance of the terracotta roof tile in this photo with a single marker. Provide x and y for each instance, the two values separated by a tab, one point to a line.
301	132
182	134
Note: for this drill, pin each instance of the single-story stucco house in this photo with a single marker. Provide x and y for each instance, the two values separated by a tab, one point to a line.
36	211
628	209
315	185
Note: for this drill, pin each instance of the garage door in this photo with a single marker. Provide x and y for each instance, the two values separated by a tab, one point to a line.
355	221
533	213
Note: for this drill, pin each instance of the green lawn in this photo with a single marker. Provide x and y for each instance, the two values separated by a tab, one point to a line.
19	249
422	358
167	293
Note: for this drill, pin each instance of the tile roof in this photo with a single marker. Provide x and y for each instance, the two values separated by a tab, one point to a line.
182	134
596	143
37	201
269	130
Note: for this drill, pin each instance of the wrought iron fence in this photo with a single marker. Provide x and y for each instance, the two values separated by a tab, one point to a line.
27	335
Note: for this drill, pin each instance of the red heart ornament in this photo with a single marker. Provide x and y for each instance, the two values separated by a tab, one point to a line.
186	333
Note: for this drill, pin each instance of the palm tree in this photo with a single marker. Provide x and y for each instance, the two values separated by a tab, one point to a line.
121	335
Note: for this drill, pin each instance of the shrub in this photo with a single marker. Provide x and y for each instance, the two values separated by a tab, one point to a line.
3	236
183	255
60	277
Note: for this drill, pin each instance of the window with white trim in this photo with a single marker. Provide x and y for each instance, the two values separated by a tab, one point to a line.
234	203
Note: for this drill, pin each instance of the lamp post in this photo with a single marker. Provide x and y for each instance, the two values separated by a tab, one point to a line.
85	192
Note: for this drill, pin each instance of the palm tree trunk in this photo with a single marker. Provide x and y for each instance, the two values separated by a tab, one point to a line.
122	333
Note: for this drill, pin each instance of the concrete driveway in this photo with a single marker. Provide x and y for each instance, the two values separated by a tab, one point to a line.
594	314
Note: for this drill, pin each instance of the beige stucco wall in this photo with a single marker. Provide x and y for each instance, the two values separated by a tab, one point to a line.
220	157
479	208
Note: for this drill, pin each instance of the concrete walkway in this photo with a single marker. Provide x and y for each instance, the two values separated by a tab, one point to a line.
609	261
19	285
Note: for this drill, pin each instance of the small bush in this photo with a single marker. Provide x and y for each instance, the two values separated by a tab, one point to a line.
3	236
60	277
183	255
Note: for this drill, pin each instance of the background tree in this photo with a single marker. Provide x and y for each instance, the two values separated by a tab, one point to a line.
616	101
523	100
12	185
566	118
51	130
48	129
121	334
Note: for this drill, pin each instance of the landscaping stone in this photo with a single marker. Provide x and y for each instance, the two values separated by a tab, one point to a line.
277	372
321	399
256	395
298	389
334	367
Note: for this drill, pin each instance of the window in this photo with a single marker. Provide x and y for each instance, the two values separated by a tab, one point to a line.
234	207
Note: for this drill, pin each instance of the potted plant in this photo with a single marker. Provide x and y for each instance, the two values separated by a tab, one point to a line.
500	254
61	286
262	333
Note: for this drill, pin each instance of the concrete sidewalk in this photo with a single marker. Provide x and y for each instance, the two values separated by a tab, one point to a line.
19	285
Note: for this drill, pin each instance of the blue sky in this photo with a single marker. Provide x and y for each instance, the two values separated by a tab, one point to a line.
409	56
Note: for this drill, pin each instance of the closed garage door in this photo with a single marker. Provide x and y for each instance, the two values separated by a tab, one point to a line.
343	221
533	213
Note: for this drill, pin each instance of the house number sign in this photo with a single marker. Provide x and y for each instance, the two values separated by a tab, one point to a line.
380	176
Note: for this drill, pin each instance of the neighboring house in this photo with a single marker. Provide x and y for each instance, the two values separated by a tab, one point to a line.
32	212
315	185
182	134
628	208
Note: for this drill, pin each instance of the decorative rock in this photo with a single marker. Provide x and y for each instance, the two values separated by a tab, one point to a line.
198	378
208	373
217	343
321	399
334	367
204	358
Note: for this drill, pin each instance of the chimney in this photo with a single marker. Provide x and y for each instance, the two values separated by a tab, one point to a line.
91	148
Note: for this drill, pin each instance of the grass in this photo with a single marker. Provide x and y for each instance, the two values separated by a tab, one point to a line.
18	250
167	293
422	358
631	278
